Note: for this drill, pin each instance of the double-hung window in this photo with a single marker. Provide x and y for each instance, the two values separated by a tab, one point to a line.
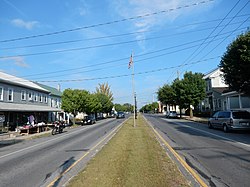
23	95
10	94
1	93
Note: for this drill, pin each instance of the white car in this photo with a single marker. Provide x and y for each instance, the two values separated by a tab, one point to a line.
171	114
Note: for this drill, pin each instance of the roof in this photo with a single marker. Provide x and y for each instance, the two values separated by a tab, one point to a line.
27	108
10	79
220	89
52	90
209	74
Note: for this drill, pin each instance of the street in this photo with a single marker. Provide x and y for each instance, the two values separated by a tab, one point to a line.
39	161
221	159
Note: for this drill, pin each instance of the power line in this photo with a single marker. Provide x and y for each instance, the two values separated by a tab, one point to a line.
192	54
108	23
139	73
125	75
224	28
109	36
126	58
95	46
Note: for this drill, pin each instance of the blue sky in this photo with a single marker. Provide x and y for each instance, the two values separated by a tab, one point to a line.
98	38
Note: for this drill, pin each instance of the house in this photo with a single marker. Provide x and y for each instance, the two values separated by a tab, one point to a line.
23	101
219	97
236	101
215	86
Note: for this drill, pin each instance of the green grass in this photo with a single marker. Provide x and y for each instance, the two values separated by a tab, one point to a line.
133	157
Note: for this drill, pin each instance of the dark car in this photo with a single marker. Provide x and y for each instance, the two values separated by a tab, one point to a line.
230	120
89	120
120	115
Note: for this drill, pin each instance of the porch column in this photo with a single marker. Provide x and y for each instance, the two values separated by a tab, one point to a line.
240	104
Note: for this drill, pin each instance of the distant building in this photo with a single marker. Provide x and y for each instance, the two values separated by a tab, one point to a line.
21	99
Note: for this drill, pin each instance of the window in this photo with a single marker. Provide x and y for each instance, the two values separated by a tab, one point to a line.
1	93
40	98
30	96
36	97
10	94
23	95
52	102
45	99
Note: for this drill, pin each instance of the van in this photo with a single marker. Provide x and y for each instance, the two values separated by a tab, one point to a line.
230	120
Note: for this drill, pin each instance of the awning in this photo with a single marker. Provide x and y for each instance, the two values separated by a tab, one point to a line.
26	108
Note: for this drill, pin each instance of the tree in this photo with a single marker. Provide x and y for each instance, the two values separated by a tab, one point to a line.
93	104
105	102
74	101
235	64
166	95
179	94
105	89
194	89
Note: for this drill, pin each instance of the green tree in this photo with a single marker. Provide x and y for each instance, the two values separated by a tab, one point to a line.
194	89
235	64
74	101
166	95
105	102
105	89
93	104
179	94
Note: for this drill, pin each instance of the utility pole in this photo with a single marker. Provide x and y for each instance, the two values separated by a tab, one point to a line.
133	85
135	107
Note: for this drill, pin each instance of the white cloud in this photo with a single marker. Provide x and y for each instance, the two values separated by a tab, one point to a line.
25	24
19	61
133	8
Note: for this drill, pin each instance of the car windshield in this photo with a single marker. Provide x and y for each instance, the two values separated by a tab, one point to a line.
241	115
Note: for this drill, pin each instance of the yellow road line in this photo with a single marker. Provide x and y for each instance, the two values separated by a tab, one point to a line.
178	157
58	177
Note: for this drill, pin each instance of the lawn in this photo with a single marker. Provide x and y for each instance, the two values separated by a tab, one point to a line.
133	157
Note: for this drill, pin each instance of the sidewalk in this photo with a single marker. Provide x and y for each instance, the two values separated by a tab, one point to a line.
196	119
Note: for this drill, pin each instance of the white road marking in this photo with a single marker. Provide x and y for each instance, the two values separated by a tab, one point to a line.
199	130
27	148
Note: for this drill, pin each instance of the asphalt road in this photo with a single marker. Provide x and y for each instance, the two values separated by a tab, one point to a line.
221	159
37	162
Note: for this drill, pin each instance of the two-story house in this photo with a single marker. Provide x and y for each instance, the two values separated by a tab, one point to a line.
215	86
22	100
219	97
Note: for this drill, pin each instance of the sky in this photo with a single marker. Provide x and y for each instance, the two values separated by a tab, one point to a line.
82	43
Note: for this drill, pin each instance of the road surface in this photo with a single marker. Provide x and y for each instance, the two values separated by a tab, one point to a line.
221	159
39	161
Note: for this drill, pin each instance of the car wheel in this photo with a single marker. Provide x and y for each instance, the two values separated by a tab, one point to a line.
210	126
225	128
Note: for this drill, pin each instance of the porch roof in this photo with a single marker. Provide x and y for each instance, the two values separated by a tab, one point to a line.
26	108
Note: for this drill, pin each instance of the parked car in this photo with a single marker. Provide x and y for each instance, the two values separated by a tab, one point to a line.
171	114
89	120
230	120
120	115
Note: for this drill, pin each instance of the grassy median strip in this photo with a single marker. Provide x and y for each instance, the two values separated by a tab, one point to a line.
133	157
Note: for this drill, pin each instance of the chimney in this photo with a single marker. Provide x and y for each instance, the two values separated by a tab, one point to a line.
59	87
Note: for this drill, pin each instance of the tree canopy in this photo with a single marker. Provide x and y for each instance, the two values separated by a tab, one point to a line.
185	92
105	89
235	64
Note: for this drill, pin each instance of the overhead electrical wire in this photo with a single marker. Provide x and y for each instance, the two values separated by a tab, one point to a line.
125	75
190	57
98	46
125	58
110	36
108	23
